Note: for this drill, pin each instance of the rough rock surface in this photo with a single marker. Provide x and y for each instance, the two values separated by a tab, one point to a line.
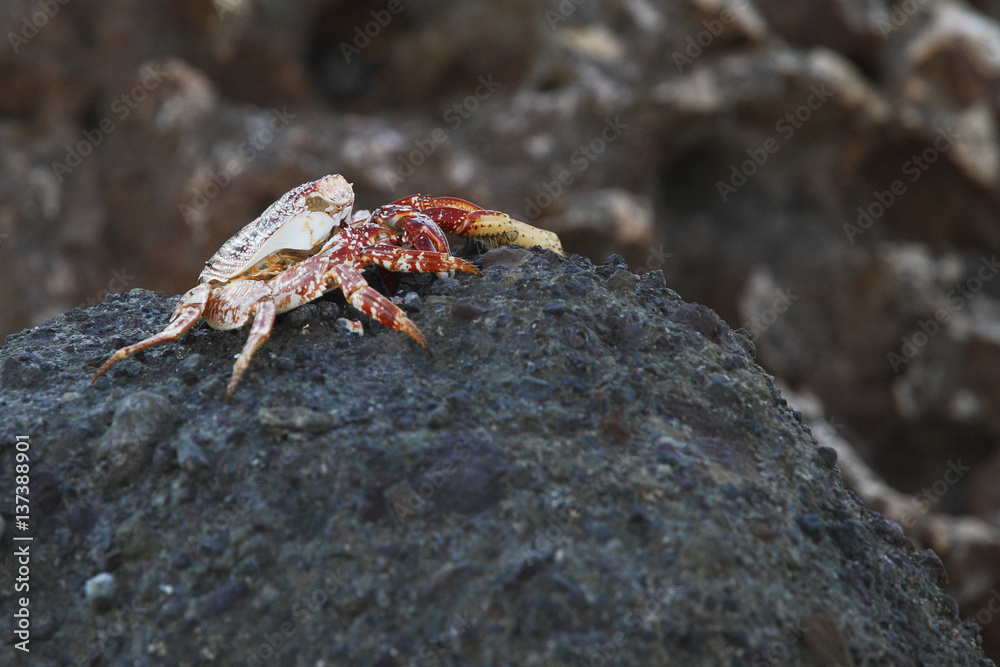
824	173
136	137
587	470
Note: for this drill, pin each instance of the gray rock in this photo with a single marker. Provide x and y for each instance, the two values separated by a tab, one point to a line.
635	492
191	457
100	590
140	421
192	368
303	315
412	302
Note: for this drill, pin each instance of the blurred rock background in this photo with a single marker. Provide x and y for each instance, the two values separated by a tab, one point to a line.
823	173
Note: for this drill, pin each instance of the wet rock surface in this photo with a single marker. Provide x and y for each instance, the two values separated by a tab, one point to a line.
587	469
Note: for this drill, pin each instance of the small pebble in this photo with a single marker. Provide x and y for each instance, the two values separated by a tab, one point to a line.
329	311
141	419
468	310
616	260
577	285
555	308
444	286
212	388
191	457
100	590
827	456
506	256
302	315
622	280
412	302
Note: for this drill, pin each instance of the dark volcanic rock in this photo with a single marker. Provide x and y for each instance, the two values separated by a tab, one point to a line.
581	473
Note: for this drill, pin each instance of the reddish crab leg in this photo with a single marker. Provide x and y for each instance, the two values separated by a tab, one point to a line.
417	229
311	279
263	321
189	309
463	218
360	295
405	260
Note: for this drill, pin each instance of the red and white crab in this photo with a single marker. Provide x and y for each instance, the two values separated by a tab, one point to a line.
307	244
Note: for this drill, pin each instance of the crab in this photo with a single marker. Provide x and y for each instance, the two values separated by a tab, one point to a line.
307	243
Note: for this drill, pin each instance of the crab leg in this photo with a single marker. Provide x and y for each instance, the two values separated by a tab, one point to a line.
311	279
463	218
189	309
232	306
363	297
417	229
263	321
406	260
491	225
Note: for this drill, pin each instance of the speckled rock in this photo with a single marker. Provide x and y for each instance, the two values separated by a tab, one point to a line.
100	590
630	126
586	470
140	421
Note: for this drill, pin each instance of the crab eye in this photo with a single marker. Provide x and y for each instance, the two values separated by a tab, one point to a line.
316	204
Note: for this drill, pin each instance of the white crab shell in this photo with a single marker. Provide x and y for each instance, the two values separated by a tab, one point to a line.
303	219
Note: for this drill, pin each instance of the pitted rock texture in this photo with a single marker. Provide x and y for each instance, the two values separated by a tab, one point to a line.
587	470
823	173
